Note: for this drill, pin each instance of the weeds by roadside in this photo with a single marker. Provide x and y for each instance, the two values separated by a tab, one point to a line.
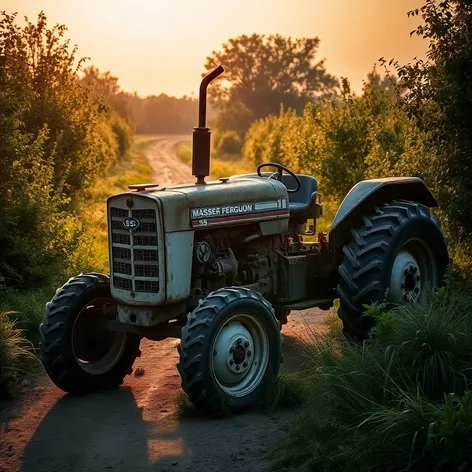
399	401
16	355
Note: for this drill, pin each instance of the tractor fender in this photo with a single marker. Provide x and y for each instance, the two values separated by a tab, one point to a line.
367	194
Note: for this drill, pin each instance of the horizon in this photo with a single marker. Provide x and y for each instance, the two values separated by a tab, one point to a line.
164	50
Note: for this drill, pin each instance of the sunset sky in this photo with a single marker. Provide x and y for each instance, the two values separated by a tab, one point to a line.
160	46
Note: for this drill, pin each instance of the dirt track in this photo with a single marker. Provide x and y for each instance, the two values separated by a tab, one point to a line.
136	428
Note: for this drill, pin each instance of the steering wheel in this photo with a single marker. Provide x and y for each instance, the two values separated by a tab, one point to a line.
280	168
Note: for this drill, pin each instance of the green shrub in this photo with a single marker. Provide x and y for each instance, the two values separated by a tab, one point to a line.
36	234
339	142
123	133
228	142
432	343
398	401
266	139
56	136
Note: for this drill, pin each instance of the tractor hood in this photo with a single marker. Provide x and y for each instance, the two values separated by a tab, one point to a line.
241	199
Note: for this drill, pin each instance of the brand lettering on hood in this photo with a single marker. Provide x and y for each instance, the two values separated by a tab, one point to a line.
222	211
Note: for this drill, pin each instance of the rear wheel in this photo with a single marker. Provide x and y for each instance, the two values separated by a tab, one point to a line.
230	350
78	354
398	254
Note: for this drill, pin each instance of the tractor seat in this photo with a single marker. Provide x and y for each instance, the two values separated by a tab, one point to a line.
302	203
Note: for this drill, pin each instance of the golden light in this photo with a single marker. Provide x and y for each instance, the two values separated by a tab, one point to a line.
157	46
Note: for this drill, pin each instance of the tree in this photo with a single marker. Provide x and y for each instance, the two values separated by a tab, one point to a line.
235	117
102	83
106	87
262	73
437	93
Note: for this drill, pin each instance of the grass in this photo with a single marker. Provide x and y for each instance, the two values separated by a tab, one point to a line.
21	312
288	391
220	166
142	140
397	402
17	356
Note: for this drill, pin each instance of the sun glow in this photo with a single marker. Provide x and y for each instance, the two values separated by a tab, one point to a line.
156	46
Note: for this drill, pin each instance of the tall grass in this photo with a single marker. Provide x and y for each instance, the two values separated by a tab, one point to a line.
16	355
399	401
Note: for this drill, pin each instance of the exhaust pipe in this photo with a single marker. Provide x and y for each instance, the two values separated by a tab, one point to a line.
202	134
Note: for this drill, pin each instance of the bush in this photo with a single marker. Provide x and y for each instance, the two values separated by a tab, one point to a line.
123	134
267	139
228	142
57	137
339	142
437	94
399	401
432	343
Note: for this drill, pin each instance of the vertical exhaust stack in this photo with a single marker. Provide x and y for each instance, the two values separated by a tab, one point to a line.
201	135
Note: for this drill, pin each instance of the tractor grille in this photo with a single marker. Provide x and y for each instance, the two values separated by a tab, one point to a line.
134	253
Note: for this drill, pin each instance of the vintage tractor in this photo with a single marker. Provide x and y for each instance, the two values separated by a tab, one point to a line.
220	265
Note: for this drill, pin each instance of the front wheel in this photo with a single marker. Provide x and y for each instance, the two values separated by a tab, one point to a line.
397	254
230	350
77	353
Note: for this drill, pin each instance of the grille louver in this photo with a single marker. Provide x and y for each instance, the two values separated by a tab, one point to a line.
134	254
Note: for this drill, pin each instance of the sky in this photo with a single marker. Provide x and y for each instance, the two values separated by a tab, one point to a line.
160	46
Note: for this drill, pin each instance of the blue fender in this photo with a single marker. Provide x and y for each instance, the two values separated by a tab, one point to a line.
367	194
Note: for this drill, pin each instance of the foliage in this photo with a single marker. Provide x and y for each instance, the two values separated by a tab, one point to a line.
399	401
233	116
437	94
57	136
268	139
16	355
105	87
340	142
263	72
228	142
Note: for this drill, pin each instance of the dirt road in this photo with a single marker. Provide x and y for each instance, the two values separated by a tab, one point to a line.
136	427
167	168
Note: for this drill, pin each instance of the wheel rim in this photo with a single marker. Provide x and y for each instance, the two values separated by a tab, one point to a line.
414	273
240	355
96	350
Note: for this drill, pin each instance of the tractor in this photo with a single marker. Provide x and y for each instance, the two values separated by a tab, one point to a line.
221	264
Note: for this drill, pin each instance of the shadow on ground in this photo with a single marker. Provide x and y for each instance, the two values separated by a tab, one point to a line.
110	431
